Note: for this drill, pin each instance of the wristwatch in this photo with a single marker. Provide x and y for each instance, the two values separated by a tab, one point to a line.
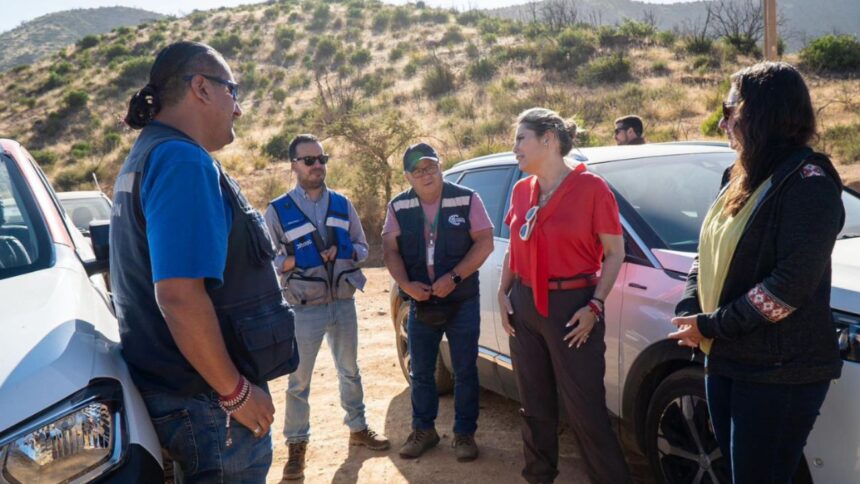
456	277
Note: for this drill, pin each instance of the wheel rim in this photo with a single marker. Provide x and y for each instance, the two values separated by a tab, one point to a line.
686	445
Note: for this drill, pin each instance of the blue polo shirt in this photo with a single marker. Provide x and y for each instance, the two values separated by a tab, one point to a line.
188	217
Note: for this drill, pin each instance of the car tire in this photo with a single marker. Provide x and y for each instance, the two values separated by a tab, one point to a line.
444	379
679	438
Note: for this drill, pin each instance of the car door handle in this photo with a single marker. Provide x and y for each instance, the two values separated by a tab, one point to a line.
638	286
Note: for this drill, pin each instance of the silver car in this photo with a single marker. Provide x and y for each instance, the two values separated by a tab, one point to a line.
654	386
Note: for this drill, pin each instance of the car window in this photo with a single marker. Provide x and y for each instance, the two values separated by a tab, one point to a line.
24	241
492	185
85	210
671	194
851	201
453	177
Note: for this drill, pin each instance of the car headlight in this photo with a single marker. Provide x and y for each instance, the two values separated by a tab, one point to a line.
76	440
848	333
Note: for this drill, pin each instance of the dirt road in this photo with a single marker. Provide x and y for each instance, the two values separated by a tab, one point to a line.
330	459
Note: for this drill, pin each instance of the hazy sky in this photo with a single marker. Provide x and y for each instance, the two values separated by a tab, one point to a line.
16	11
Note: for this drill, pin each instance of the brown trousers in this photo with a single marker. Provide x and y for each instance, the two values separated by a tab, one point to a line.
548	373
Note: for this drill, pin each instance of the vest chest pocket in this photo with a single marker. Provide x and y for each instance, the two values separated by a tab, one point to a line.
458	241
408	245
302	287
267	337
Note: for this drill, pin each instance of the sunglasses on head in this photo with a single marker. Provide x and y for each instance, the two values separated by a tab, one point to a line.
311	160
231	86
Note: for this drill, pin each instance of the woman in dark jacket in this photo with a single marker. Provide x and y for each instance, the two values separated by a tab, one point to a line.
757	299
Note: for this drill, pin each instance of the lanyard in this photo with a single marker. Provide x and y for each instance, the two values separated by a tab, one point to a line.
434	225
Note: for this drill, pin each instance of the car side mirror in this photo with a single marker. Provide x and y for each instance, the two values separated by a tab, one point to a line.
100	237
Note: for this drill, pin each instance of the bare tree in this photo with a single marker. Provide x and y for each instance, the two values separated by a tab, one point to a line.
559	14
739	22
649	17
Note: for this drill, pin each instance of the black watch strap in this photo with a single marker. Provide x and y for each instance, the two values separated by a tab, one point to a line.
456	277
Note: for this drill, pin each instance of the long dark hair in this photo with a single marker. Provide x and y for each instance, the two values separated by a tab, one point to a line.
166	84
774	118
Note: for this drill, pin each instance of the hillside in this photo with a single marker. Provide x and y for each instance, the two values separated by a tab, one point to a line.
371	78
804	19
45	35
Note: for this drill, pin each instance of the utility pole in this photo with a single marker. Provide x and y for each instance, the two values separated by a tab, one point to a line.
770	38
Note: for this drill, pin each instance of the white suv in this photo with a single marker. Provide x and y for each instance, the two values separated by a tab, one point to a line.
70	412
652	384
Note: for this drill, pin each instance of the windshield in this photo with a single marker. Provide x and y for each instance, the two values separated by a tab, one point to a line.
24	242
673	194
85	210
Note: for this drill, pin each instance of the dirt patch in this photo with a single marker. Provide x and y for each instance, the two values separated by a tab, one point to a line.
389	411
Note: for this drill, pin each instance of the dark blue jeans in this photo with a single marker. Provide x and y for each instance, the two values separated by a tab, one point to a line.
763	427
192	431
462	331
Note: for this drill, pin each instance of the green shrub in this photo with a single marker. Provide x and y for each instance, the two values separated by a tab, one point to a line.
434	16
835	53
75	99
401	18
472	51
410	69
134	72
278	147
609	36
372	84
45	157
227	44
88	41
448	105
438	80
62	68
320	17
380	21
284	37
698	45
110	142
453	35
21	68
360	58
396	54
279	95
81	150
115	51
355	11
607	69
711	125
571	49
634	29
482	70
470	17
704	63
325	51
54	80
666	38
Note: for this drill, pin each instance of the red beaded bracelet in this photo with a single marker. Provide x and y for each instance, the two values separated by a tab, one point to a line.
235	393
595	309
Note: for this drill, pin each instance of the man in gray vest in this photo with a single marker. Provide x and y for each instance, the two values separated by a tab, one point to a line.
436	236
320	242
202	320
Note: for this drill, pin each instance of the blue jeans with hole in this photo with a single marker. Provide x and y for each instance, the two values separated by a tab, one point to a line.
762	426
193	432
462	331
337	322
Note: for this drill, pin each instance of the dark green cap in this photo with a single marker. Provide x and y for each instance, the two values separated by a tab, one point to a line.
416	153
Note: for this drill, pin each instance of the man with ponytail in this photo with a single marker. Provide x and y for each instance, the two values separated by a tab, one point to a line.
202	320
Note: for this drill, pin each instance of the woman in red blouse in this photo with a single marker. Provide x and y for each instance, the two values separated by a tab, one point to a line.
563	221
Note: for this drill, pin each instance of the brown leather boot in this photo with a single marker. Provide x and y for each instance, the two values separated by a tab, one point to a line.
370	439
295	466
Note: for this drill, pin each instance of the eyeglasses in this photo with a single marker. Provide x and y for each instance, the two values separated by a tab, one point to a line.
422	172
311	160
728	110
527	228
231	86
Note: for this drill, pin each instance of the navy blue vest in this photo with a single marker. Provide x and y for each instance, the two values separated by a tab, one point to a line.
453	240
254	319
312	282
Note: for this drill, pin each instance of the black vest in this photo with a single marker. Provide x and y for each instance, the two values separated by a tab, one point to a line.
251	311
453	240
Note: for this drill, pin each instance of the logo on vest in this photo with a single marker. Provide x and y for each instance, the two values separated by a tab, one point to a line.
304	244
456	220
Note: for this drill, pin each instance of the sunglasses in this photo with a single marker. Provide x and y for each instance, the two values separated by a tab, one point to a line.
311	160
728	110
618	130
231	86
529	227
